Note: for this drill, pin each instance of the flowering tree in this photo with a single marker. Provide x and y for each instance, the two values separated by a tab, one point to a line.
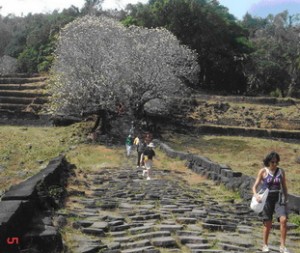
100	64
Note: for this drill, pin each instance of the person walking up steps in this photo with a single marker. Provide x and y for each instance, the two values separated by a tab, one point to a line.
128	144
147	157
273	178
140	148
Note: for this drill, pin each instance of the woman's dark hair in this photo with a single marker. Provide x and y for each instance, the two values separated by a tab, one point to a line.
271	156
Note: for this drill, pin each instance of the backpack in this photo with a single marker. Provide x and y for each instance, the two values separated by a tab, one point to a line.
141	147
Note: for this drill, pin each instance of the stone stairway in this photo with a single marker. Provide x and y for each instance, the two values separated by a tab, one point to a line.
118	210
22	98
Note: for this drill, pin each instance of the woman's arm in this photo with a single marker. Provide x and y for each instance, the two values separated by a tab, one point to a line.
258	180
284	186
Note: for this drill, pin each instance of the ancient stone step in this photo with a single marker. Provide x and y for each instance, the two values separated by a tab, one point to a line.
149	249
198	246
23	100
192	239
20	80
137	244
21	87
22	94
164	242
22	75
8	108
163	214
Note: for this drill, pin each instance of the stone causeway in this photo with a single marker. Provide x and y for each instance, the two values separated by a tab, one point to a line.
117	210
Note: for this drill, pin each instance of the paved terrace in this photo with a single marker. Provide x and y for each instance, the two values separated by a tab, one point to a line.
117	210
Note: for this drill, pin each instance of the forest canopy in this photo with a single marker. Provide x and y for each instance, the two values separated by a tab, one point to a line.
254	56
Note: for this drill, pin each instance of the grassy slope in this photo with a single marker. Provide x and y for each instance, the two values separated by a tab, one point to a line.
242	154
21	149
26	150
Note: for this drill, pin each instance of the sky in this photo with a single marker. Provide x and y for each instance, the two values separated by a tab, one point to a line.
238	8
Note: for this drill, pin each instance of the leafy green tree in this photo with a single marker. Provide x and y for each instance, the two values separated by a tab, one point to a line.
206	27
28	60
274	64
32	39
92	7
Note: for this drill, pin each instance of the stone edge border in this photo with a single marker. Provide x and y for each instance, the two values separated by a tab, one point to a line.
221	173
21	203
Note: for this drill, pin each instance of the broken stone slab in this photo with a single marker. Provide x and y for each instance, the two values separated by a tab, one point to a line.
186	220
179	210
153	235
124	239
148	249
114	246
118	234
109	204
114	217
221	221
126	206
93	231
207	251
219	227
87	214
145	217
230	247
142	229
136	244
146	206
236	239
198	213
196	246
116	223
82	223
194	227
170	228
192	239
100	225
244	229
120	227
89	247
187	233
164	242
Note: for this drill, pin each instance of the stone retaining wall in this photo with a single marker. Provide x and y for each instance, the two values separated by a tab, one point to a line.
26	204
251	100
251	132
220	173
24	119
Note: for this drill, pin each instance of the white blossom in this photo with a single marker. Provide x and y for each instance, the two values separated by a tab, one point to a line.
100	63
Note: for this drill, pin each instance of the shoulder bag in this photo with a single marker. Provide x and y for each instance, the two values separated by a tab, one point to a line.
256	206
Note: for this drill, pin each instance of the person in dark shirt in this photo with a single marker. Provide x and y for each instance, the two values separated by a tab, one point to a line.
147	158
140	148
276	200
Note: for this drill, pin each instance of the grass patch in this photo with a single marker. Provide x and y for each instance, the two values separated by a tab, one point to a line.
243	154
26	150
295	219
92	157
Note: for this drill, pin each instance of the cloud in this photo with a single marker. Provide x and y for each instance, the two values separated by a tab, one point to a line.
19	7
265	7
